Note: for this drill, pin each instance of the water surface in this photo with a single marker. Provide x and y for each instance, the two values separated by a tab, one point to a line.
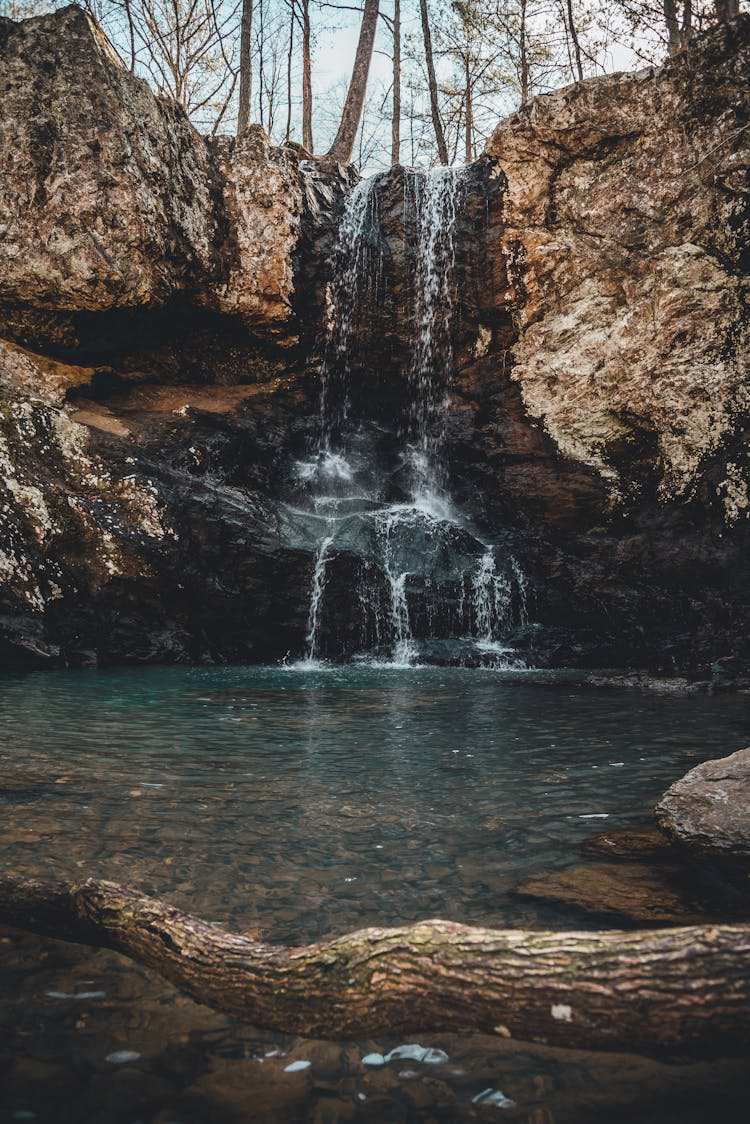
302	803
311	801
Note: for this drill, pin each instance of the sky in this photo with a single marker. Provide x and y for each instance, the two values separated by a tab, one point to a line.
333	56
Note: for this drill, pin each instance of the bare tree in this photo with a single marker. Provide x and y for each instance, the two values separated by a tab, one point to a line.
523	54
396	111
480	82
186	48
571	25
307	133
678	31
271	53
432	84
343	144
246	67
289	60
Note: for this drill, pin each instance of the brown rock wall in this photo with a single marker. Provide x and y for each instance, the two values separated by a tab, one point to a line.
625	228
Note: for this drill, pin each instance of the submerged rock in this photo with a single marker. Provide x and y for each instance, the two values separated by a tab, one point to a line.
709	808
628	843
644	894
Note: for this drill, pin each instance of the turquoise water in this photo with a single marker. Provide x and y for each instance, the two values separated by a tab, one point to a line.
306	801
301	803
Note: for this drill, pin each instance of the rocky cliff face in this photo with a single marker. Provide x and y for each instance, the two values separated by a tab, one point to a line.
111	200
162	301
616	414
626	231
152	297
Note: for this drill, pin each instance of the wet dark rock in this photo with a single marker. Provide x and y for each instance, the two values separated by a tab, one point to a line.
642	681
140	531
709	808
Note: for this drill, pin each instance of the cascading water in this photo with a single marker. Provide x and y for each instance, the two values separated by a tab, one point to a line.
356	282
423	585
435	198
316	596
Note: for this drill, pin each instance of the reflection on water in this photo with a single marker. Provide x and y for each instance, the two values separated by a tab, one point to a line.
305	804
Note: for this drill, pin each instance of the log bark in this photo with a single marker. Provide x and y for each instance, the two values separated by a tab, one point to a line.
682	988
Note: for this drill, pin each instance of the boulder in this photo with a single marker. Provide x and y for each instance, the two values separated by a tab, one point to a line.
643	893
709	808
110	199
626	222
105	197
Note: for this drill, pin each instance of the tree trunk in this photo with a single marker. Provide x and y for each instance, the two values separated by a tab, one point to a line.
396	116
307	133
524	56
676	988
290	54
469	112
672	25
726	9
343	146
576	44
131	34
432	83
246	67
686	32
261	60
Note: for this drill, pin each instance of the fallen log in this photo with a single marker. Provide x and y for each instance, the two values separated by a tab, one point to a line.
680	988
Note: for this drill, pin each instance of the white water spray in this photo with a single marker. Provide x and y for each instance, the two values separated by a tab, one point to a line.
317	590
356	281
436	197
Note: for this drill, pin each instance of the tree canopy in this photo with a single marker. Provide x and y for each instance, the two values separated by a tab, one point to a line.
412	81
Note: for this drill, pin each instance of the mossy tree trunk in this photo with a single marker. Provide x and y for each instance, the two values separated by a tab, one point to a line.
685	988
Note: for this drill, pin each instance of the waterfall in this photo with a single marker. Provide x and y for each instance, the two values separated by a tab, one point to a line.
355	283
404	651
493	599
424	584
488	597
316	597
435	198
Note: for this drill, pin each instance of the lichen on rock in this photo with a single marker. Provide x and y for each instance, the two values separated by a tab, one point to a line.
263	203
709	808
53	489
624	212
105	197
110	198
